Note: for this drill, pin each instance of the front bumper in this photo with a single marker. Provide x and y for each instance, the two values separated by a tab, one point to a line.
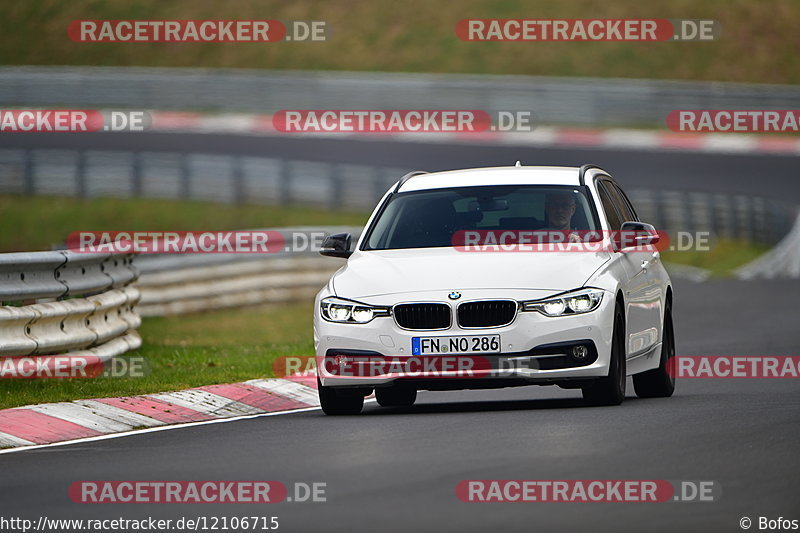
379	353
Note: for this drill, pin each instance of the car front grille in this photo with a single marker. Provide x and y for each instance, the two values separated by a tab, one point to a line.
486	313
422	316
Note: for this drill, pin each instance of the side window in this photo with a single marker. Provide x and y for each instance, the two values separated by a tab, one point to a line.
614	219
625	212
628	212
616	196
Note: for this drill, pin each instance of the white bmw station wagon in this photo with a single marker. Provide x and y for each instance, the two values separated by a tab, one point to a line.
496	277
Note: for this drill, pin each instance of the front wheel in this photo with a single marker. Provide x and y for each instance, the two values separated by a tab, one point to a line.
334	404
610	390
660	382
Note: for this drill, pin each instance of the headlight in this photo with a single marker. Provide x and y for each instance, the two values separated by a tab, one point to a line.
350	312
554	308
570	303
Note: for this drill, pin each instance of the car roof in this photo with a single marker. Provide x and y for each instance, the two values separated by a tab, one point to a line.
516	175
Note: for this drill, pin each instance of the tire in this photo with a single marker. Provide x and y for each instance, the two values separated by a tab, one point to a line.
660	382
334	404
610	390
396	396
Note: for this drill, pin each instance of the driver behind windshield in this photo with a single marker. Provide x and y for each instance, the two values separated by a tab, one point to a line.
559	208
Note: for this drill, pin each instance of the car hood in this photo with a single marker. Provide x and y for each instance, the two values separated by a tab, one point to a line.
376	273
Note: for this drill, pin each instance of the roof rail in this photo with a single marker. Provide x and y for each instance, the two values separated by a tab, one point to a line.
407	177
583	170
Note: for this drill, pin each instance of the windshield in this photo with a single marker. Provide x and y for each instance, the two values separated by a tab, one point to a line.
431	218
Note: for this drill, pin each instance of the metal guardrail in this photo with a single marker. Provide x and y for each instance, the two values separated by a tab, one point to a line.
188	283
218	178
271	181
553	100
59	302
59	274
732	216
783	261
62	302
202	288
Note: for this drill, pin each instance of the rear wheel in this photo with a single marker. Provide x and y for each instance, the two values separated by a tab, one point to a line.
396	396
335	403
660	382
610	390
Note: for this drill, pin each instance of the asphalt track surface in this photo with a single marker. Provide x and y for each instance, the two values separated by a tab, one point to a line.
397	470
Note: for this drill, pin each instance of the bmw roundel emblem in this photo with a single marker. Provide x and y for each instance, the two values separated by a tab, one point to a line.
455	295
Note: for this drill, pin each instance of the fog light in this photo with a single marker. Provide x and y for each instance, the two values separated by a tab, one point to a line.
580	352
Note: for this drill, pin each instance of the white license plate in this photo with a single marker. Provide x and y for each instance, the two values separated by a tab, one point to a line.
457	344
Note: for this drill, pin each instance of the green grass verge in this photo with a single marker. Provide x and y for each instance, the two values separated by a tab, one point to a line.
188	351
721	260
759	39
30	223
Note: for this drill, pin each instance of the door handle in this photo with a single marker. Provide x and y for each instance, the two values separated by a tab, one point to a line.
650	261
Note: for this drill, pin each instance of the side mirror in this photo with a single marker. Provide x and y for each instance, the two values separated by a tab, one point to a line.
337	245
635	235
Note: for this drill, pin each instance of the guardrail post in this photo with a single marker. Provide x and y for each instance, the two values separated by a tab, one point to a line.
713	214
285	183
29	182
238	179
769	224
336	186
80	174
778	221
377	188
733	219
688	212
185	185
751	220
660	216
136	173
